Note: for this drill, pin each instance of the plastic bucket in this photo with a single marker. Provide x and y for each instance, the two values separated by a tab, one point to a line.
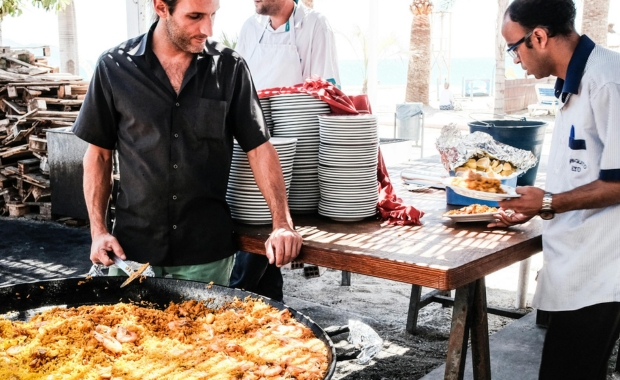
526	135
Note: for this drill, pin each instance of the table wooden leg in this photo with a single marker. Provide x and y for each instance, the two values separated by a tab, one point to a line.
414	308
346	278
459	332
481	359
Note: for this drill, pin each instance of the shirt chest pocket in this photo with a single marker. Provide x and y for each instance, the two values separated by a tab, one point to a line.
210	122
577	153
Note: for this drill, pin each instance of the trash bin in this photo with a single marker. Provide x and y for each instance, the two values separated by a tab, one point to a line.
66	152
407	123
522	134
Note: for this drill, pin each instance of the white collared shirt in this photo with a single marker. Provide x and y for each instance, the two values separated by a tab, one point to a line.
581	248
314	40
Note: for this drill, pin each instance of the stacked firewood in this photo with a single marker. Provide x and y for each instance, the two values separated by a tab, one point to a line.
34	98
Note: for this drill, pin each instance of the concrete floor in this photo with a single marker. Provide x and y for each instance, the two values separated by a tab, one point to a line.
515	352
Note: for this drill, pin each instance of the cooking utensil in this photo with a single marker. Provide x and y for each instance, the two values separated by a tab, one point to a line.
127	269
22	301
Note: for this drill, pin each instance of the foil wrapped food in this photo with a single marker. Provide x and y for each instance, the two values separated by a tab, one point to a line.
456	148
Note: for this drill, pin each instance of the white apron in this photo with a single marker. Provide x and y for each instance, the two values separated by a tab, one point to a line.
276	65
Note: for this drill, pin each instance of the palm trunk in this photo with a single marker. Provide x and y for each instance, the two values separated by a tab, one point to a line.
67	35
419	70
500	59
595	20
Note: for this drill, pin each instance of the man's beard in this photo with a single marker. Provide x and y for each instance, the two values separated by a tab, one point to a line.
180	39
268	9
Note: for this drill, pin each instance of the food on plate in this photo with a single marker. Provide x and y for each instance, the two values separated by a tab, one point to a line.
493	167
475	181
245	339
472	209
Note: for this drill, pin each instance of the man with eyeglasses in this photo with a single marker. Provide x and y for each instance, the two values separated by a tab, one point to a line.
579	283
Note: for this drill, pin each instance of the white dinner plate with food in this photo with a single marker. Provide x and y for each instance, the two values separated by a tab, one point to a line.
482	217
486	196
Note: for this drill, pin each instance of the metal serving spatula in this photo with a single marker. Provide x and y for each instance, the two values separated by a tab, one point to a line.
127	269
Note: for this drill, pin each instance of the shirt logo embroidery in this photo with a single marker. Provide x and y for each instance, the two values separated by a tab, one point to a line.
577	165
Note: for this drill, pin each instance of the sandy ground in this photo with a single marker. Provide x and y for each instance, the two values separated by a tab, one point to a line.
31	250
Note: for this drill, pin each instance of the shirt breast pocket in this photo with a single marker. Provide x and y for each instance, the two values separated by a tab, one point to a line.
210	120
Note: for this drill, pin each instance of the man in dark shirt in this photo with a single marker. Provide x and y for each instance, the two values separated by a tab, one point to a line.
171	103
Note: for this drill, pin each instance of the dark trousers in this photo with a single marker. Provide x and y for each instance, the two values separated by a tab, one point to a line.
253	273
579	343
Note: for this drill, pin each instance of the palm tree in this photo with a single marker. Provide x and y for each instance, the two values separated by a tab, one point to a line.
419	70
594	22
500	59
67	36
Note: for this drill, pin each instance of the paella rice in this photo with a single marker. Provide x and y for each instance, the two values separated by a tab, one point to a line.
242	340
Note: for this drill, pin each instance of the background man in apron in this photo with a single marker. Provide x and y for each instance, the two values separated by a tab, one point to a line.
283	44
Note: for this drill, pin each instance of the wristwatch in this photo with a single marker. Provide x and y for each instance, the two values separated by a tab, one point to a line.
546	211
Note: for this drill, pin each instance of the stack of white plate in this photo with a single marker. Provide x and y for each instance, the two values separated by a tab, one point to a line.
295	115
348	167
265	105
246	202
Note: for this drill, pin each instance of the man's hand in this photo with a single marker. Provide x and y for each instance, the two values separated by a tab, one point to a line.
507	219
524	208
283	246
104	245
529	203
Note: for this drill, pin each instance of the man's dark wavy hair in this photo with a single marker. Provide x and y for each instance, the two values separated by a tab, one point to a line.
556	16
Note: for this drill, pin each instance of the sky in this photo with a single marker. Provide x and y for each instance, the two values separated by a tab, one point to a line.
101	27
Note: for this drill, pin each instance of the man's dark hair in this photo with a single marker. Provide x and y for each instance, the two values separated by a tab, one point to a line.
171	4
556	16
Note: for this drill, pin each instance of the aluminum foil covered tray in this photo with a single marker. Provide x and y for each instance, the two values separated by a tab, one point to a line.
456	148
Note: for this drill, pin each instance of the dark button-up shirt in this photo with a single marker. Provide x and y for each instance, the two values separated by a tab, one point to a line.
174	151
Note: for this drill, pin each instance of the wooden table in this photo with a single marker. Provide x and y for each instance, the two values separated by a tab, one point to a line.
440	254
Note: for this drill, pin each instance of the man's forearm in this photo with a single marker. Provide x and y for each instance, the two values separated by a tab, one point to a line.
268	174
97	186
596	194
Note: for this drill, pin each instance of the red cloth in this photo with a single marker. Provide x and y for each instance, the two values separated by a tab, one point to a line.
338	101
390	206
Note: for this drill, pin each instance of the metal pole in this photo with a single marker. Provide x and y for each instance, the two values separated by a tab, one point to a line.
524	278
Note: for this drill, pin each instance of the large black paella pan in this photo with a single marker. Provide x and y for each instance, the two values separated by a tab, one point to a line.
22	301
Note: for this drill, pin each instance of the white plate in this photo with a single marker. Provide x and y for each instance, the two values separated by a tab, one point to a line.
483	195
482	217
347	126
275	141
298	106
346	135
345	118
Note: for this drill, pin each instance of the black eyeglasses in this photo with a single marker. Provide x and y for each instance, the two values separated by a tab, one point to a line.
512	51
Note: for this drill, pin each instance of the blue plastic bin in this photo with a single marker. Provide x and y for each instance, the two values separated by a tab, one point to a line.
522	134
